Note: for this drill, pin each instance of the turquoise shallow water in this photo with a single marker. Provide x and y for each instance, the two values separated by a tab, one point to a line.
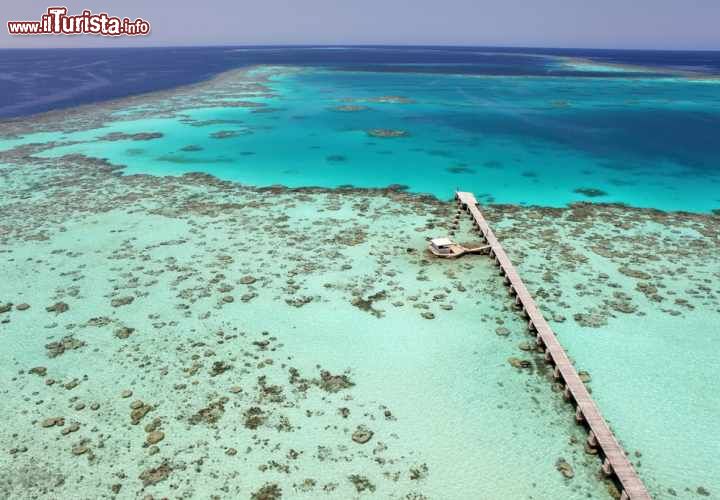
650	362
450	417
524	140
647	335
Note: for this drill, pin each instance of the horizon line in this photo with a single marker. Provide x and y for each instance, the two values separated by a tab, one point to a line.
362	45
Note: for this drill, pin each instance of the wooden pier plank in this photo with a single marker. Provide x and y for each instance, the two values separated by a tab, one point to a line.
611	449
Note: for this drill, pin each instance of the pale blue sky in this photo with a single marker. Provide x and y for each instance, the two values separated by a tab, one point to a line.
661	24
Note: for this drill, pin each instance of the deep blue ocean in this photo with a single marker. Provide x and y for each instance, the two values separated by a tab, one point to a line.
33	81
525	126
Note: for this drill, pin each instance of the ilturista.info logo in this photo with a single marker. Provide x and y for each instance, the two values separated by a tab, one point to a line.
56	21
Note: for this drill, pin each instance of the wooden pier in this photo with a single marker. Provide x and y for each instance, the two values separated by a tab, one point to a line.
614	459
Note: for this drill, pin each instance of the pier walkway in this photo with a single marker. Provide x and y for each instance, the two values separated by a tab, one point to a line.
614	459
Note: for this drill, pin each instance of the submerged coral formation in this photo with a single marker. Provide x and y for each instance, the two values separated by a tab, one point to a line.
187	336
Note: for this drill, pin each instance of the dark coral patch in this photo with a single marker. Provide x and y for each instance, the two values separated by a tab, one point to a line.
460	169
590	192
387	133
121	136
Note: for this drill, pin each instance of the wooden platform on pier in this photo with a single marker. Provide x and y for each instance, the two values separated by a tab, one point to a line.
615	459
